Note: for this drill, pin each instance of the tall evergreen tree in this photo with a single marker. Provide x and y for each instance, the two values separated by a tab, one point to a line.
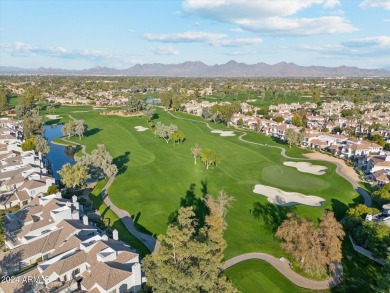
189	260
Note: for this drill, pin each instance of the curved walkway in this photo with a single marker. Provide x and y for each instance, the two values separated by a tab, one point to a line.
339	167
83	150
149	241
284	268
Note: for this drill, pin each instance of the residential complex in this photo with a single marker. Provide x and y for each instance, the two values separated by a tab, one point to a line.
50	237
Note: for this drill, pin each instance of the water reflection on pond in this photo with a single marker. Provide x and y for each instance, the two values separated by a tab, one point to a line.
59	155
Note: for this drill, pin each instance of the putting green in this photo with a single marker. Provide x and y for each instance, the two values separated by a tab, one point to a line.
285	177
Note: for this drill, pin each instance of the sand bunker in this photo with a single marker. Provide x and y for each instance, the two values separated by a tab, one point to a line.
52	117
140	128
284	198
307	167
224	132
97	108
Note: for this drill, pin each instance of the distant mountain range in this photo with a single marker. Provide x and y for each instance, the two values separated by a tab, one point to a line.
199	69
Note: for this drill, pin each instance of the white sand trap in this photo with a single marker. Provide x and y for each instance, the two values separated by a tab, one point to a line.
140	128
52	117
224	132
96	108
284	198
307	167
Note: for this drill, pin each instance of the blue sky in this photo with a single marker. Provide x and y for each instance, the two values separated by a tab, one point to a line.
118	33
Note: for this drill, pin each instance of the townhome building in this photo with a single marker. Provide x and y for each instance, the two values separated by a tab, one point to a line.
69	253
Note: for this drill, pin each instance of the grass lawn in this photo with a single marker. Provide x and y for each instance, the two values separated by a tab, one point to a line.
360	273
114	220
259	276
273	173
156	177
261	101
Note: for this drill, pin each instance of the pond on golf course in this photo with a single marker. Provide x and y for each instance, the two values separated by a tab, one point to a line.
59	155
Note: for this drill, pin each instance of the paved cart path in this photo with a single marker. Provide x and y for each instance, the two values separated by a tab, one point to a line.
284	268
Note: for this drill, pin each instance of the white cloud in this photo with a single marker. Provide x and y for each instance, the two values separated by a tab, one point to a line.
184	37
20	49
273	17
363	47
213	39
375	4
331	3
298	26
164	50
242	53
380	42
237	30
235	42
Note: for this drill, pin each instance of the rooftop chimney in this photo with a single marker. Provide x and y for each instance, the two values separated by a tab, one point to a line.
115	234
85	220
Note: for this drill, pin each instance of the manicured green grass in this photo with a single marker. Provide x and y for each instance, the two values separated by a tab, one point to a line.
285	177
360	273
13	101
114	221
264	100
259	276
155	177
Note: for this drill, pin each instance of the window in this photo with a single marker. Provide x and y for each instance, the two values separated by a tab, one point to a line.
76	271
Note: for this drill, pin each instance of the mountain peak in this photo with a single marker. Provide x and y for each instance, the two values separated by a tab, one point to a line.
200	69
